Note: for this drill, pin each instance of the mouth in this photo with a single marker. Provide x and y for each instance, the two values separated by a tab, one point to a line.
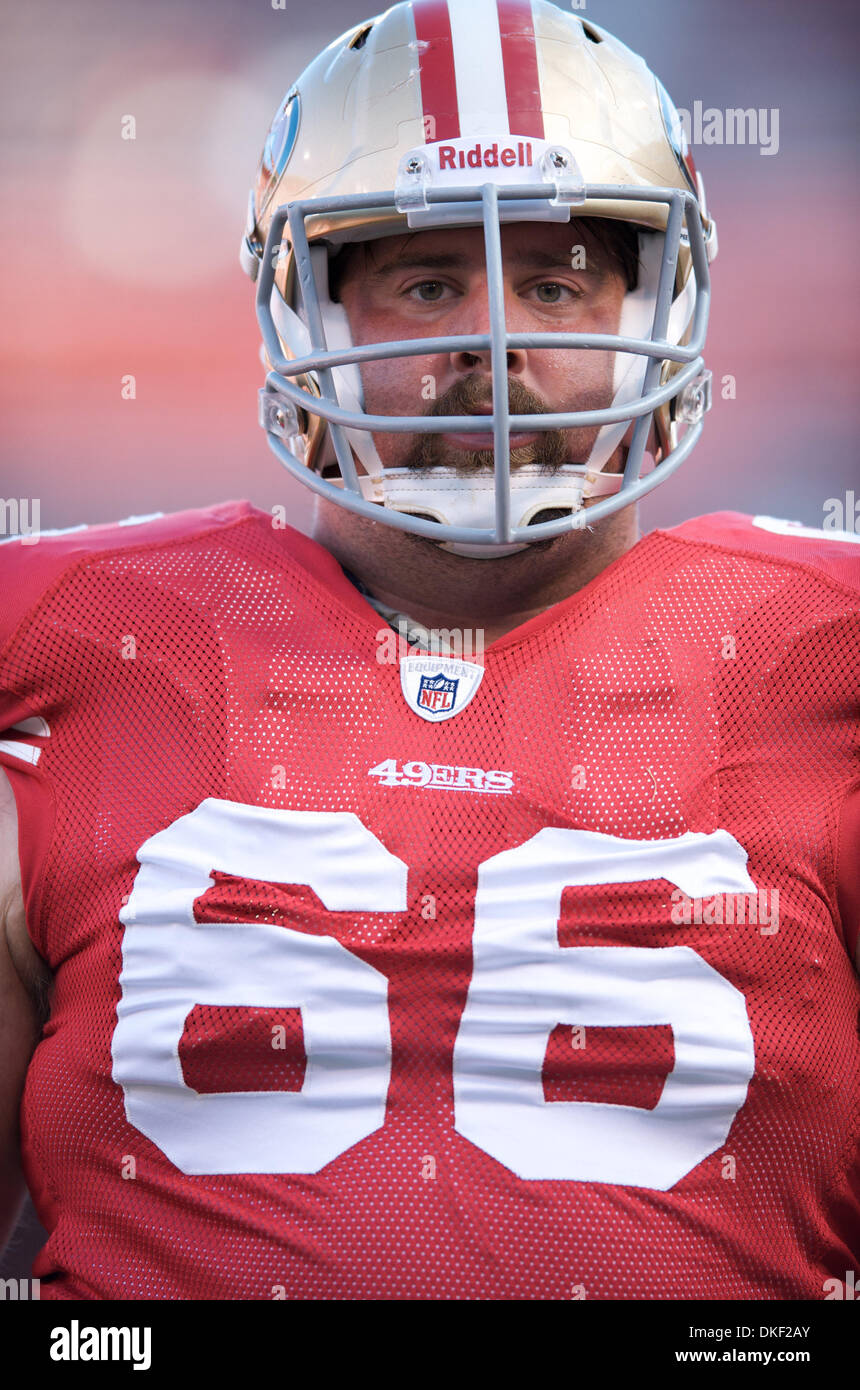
486	439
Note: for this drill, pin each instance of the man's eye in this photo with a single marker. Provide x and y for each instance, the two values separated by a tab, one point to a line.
428	291
551	292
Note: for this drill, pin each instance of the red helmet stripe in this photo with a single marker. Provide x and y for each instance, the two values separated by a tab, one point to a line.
519	56
436	64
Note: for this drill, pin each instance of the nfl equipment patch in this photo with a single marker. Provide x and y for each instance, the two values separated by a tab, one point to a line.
438	687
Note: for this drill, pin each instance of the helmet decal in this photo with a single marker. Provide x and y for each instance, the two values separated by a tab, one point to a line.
280	143
436	65
519	55
479	68
677	135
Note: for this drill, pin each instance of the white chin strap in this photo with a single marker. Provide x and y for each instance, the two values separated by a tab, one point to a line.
442	493
454	500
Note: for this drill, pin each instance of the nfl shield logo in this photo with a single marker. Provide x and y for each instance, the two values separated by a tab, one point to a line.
438	687
437	693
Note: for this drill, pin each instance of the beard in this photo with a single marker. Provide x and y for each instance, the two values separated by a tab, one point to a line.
549	451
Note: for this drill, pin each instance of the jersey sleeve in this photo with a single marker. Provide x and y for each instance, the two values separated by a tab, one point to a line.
27	570
835	554
831	552
31	569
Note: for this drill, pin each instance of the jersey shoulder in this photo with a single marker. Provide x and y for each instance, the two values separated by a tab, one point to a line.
833	554
31	565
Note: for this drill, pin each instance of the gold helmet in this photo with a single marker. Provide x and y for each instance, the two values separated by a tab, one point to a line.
445	113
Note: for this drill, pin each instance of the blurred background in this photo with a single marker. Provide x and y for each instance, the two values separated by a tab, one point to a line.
120	256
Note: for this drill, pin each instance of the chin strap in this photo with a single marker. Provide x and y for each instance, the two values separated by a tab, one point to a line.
447	496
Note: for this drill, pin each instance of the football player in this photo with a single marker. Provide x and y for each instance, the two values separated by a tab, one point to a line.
459	903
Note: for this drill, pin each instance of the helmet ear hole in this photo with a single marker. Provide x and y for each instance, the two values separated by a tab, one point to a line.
360	38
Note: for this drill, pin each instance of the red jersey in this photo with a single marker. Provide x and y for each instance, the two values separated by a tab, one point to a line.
526	975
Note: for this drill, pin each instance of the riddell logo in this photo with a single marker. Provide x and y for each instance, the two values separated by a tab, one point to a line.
493	156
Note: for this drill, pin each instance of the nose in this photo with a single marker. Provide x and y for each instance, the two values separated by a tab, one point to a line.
474	321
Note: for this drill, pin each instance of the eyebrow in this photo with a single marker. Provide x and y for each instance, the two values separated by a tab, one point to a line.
454	260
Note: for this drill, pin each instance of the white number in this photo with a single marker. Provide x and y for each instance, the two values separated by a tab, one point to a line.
523	984
171	963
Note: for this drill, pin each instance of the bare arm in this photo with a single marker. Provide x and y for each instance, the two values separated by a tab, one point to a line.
23	991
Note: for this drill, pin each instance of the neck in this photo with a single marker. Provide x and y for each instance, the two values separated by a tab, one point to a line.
440	590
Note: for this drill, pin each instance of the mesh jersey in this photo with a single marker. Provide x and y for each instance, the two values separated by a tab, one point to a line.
550	999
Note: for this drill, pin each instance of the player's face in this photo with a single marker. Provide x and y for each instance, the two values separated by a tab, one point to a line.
434	283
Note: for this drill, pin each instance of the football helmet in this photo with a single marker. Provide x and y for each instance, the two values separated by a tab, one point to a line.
474	113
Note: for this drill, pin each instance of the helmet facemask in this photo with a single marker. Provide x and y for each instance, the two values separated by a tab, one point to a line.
660	325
